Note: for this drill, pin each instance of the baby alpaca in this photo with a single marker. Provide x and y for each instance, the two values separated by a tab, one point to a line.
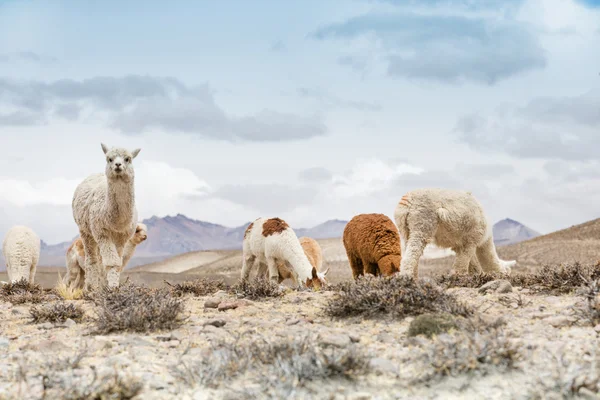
270	242
313	253
451	219
372	244
75	277
21	249
104	210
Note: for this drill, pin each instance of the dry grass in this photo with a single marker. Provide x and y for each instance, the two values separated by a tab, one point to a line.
468	351
198	287
450	280
22	292
592	310
137	309
279	366
65	292
256	289
56	312
398	296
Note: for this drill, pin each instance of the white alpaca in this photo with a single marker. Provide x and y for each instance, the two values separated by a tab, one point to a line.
104	210
21	249
75	258
270	242
450	219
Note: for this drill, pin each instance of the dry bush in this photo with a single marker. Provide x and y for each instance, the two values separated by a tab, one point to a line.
65	292
56	312
468	351
280	366
198	287
398	296
433	324
450	280
592	310
137	309
256	289
22	292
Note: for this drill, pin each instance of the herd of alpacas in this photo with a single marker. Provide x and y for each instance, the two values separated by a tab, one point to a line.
105	212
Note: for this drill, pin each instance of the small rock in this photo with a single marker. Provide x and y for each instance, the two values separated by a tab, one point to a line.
497	286
212	303
69	323
354	338
383	365
432	324
293	321
178	335
47	345
232	305
360	396
46	325
4	342
559	321
588	394
597	328
339	340
218	323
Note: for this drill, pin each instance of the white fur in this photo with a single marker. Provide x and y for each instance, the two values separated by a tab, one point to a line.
104	210
279	247
450	219
21	249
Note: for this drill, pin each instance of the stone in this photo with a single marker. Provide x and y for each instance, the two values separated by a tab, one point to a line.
335	340
559	321
597	328
383	365
232	305
212	303
50	345
46	325
497	286
432	324
69	323
360	396
4	342
218	323
354	338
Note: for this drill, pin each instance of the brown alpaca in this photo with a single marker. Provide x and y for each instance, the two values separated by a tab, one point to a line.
372	244
313	253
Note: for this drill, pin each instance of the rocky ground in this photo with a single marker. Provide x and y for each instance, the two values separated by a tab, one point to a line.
542	346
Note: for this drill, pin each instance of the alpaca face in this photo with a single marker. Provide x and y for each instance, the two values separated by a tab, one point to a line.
119	162
318	280
141	234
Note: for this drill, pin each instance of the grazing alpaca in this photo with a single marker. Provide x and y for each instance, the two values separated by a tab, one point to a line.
21	249
272	241
451	219
372	244
75	277
313	253
104	210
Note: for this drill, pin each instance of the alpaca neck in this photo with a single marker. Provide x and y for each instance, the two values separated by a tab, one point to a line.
120	201
299	262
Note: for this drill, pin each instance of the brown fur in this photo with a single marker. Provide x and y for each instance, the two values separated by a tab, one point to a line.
78	244
273	226
372	244
313	252
248	229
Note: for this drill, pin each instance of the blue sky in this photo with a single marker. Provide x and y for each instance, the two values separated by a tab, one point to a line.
308	110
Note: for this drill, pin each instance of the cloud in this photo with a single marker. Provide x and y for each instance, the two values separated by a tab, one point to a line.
26	56
485	171
547	128
138	104
333	101
269	199
278	47
316	174
443	47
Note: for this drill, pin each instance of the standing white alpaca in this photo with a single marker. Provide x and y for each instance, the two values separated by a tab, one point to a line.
271	241
104	210
21	249
451	219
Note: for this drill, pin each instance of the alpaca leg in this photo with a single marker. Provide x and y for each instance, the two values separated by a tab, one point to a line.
474	266
422	225
32	272
92	265
409	266
247	265
110	259
488	259
273	271
463	259
262	270
357	266
371	268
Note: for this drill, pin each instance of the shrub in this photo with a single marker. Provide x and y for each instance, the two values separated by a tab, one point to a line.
198	287
137	309
398	296
256	289
21	292
469	281
432	324
57	312
65	292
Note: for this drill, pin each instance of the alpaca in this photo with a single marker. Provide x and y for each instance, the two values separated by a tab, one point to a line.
372	244
76	257
21	249
104	210
272	241
313	252
451	219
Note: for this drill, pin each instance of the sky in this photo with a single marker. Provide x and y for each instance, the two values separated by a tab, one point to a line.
306	110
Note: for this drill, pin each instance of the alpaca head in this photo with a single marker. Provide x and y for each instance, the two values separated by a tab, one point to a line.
141	234
390	264
318	279
119	162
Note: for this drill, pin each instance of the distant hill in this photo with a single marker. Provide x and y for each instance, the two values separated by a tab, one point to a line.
509	231
578	243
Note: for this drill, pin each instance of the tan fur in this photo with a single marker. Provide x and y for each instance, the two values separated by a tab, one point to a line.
273	226
313	252
372	244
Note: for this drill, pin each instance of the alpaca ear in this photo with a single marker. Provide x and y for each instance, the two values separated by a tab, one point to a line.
135	153
104	148
326	271
314	273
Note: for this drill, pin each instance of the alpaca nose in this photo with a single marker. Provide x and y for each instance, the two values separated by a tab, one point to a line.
118	165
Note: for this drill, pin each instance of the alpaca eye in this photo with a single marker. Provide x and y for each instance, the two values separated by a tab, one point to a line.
110	160
127	159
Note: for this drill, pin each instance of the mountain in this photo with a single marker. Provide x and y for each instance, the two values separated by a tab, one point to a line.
509	231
